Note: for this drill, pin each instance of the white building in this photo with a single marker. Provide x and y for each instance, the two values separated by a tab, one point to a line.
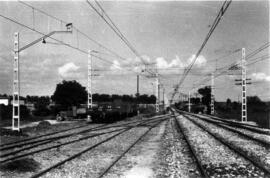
4	101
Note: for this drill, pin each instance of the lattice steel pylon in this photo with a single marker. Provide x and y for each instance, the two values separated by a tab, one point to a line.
244	88
157	93
89	81
189	104
212	95
16	86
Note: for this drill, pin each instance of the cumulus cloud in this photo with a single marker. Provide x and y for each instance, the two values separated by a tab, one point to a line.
116	65
68	70
261	77
200	61
137	65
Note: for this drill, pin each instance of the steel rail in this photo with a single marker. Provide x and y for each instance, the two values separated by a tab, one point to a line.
233	123
127	150
18	143
233	129
48	140
56	146
180	130
235	149
79	153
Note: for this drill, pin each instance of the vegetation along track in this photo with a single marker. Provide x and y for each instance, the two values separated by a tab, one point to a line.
263	139
13	154
155	122
256	154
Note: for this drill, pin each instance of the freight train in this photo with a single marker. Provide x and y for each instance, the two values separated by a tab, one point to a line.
101	113
111	112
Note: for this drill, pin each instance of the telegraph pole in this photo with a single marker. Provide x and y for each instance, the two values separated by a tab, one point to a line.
244	84
157	93
189	104
138	85
16	73
89	81
16	86
164	98
212	95
244	77
138	94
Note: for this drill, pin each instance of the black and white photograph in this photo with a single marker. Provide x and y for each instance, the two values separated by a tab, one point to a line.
134	89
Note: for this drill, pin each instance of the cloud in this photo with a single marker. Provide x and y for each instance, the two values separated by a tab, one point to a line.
200	61
261	77
68	70
136	64
116	65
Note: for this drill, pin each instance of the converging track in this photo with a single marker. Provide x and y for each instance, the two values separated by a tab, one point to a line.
36	145
253	149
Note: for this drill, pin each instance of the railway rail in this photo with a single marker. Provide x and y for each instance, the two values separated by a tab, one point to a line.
151	124
235	129
127	150
237	149
249	127
12	155
202	171
23	141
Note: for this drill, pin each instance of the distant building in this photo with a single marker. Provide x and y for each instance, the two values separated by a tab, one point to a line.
30	106
22	102
4	101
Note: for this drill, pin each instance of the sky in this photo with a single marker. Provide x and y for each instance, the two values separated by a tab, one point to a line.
166	34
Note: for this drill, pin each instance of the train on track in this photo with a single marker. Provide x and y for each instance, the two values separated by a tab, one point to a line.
110	112
100	113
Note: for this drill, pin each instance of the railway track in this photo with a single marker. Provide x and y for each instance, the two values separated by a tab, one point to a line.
234	128
193	153
235	148
106	171
151	124
37	139
12	153
40	140
253	128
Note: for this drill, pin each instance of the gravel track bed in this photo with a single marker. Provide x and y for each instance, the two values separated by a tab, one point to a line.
34	131
26	166
76	136
92	163
267	131
251	148
263	137
49	157
56	142
140	160
217	159
175	159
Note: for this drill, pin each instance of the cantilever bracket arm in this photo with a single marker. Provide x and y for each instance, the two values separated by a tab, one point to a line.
42	38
